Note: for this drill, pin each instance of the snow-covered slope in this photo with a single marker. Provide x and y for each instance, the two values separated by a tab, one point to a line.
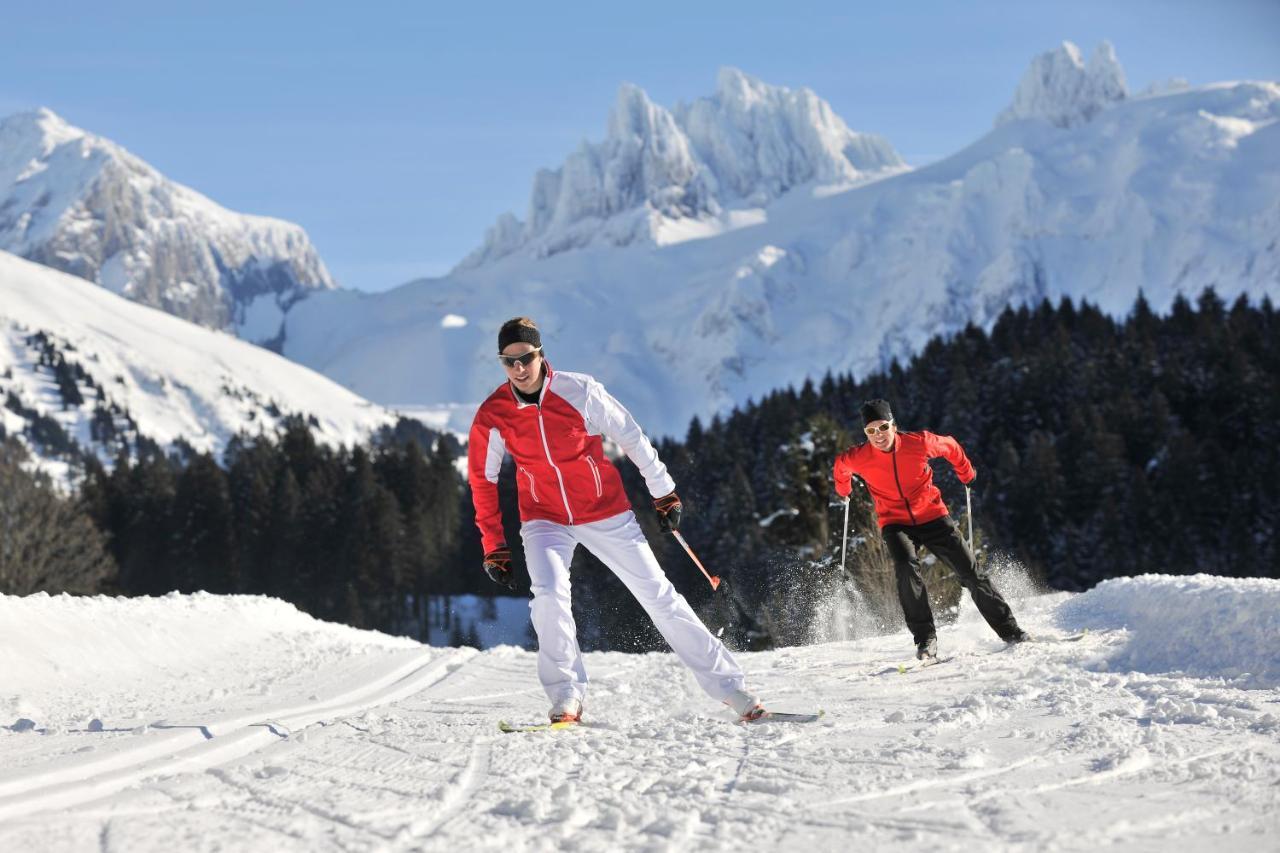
1077	192
662	176
139	371
84	205
236	723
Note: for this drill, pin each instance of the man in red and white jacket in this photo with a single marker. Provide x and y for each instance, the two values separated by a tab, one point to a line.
569	494
895	467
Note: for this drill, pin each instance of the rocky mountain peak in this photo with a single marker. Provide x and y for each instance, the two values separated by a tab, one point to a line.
84	205
659	170
1061	88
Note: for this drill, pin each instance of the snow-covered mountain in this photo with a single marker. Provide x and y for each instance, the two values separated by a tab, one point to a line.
1063	90
237	723
1080	190
662	176
104	371
84	205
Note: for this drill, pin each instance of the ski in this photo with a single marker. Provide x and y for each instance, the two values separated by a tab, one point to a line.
784	717
1049	638
904	668
911	666
508	728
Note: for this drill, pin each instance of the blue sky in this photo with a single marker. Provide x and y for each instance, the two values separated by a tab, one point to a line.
396	133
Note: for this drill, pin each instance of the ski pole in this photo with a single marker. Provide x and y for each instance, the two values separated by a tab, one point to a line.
968	509
711	579
844	541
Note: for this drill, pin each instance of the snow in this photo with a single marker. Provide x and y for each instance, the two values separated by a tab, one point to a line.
1166	193
1227	629
236	723
177	380
1061	89
667	176
785	512
83	204
447	417
668	232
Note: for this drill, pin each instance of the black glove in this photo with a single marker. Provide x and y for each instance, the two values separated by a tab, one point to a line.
497	565
669	509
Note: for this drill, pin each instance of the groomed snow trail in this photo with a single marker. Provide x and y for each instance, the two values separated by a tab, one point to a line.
1041	746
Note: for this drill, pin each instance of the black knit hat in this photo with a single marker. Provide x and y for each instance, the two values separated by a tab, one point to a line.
519	330
876	410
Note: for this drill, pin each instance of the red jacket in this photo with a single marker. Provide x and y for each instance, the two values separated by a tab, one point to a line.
562	474
900	480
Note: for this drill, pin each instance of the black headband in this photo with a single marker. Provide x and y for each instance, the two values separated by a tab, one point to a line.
517	334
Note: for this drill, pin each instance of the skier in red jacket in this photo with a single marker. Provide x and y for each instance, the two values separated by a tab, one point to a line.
895	467
551	423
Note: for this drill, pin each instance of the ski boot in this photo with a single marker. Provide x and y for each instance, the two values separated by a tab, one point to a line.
567	710
927	649
746	705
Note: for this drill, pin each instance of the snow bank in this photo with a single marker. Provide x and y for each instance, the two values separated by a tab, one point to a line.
323	737
61	654
1199	624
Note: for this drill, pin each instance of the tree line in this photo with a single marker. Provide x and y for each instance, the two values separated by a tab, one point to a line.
1104	448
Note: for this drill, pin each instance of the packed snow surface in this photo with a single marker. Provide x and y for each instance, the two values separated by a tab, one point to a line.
237	723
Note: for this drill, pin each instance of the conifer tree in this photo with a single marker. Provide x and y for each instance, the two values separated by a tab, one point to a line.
48	543
202	545
281	572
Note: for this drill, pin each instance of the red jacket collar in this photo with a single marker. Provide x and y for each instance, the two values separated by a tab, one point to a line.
520	403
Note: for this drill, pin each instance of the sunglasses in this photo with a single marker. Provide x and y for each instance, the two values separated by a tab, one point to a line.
884	427
526	359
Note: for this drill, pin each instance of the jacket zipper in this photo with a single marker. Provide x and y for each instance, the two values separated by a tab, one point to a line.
533	490
894	454
595	472
542	432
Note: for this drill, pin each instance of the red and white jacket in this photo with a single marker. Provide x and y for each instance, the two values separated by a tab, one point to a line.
900	479
562	474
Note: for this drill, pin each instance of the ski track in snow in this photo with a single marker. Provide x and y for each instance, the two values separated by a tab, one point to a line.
397	748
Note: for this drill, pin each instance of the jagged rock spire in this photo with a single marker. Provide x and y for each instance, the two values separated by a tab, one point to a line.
1062	89
742	147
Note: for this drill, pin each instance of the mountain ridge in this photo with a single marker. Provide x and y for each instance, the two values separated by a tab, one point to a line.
82	204
1168	192
81	364
661	175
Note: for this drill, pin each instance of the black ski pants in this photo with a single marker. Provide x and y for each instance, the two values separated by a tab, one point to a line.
942	537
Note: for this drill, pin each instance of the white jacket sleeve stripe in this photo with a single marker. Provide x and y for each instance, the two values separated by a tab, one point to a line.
616	423
493	455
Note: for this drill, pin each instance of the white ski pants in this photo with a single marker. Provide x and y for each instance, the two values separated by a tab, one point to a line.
619	543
